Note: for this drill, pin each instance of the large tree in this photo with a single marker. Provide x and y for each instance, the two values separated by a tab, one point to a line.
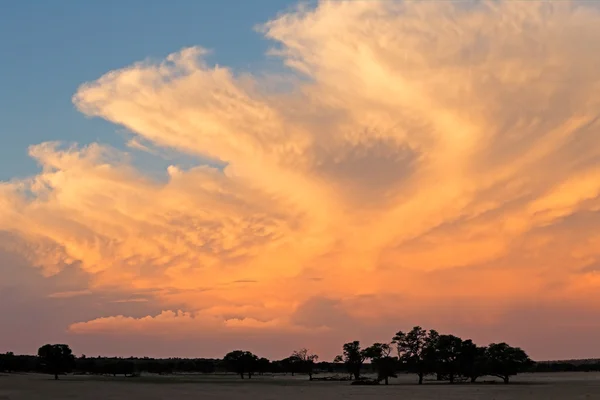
305	360
56	358
504	361
290	365
241	362
353	357
379	353
7	362
416	350
448	353
473	362
263	365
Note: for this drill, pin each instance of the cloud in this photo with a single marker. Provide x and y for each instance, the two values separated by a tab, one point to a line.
70	294
419	154
37	310
180	322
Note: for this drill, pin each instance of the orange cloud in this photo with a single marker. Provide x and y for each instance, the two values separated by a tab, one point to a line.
70	294
441	152
169	322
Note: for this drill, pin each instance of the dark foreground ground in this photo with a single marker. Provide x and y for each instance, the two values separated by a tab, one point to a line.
563	386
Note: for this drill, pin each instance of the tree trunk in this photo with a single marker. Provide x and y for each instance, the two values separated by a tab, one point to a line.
420	379
249	375
356	376
505	379
55	377
386	380
310	376
451	378
242	375
473	379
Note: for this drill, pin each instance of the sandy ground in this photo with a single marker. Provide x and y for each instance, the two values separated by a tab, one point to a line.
564	386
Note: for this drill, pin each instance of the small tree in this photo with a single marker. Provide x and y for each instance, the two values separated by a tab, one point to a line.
379	353
416	350
504	360
353	357
56	358
241	362
306	361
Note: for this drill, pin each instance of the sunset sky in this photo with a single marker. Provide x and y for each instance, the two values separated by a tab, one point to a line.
192	177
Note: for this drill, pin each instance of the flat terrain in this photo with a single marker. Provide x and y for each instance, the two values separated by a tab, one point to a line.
563	386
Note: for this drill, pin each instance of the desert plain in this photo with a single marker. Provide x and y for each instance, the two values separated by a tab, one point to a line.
551	386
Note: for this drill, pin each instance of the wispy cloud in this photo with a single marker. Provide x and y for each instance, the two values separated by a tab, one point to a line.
68	295
134	300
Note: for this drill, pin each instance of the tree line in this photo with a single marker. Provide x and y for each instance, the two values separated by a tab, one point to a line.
418	351
448	357
61	361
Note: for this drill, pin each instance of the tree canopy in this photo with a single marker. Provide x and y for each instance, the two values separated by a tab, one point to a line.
304	360
353	357
416	350
386	366
504	361
56	358
241	362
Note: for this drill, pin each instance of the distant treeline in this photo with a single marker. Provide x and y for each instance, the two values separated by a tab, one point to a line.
418	351
130	366
566	366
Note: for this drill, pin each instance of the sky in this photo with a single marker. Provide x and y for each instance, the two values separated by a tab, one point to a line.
190	178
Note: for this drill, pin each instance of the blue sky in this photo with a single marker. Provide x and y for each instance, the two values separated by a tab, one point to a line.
49	48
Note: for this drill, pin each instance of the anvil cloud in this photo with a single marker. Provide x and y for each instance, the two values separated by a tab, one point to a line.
427	163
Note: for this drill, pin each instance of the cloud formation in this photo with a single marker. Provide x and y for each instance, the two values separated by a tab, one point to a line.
419	154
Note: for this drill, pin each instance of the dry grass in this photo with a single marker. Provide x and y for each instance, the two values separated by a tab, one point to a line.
567	386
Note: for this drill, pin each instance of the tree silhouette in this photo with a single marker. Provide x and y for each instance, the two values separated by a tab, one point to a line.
504	360
419	351
473	362
448	354
262	365
56	358
305	360
379	353
290	364
416	350
241	362
7	362
353	357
